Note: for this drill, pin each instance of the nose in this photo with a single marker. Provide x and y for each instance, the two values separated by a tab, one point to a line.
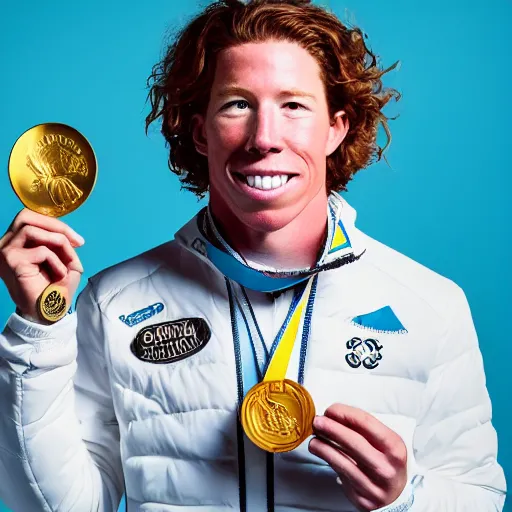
265	134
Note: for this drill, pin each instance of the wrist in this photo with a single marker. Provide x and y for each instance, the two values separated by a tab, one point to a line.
405	501
31	318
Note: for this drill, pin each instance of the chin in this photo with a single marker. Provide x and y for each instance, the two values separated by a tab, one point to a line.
268	221
237	210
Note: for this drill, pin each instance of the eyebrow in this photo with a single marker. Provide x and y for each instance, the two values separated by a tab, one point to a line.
233	91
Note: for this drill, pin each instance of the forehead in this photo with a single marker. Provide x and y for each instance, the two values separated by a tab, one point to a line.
281	63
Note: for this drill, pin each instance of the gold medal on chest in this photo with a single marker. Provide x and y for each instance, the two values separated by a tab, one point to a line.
277	415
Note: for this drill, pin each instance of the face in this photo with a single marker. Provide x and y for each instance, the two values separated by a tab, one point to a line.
267	134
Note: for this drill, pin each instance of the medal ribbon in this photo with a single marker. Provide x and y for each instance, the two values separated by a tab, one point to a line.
256	465
280	360
252	355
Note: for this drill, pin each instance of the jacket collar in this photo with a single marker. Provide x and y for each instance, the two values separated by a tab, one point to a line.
344	245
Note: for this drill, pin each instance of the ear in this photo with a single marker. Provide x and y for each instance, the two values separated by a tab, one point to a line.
199	134
337	132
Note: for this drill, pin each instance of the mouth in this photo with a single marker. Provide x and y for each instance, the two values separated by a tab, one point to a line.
267	181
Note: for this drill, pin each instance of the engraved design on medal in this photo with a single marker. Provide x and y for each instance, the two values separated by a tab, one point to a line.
55	160
277	415
53	305
274	418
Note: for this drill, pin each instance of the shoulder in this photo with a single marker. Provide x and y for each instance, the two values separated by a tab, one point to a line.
441	293
133	271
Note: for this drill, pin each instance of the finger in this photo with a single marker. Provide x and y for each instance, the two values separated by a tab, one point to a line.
30	236
25	263
350	442
374	431
333	444
362	503
28	217
350	475
6	239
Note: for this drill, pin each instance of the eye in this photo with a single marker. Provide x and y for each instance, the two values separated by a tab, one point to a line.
241	104
296	106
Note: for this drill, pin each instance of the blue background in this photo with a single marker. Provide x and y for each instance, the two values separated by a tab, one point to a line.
443	201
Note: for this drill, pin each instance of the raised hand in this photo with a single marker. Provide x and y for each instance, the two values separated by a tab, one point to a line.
37	251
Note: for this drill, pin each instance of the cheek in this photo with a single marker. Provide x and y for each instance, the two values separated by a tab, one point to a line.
310	141
229	135
311	133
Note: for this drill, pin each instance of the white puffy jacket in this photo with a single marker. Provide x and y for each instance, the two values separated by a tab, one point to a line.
85	415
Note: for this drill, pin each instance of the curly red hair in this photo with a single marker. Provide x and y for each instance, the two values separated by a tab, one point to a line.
180	84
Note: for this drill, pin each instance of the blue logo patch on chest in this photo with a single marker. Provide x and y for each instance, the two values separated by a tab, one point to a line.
142	314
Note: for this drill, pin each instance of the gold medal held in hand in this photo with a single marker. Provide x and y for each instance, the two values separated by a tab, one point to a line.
52	303
52	169
277	415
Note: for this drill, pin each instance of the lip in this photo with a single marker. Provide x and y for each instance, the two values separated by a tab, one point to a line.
263	172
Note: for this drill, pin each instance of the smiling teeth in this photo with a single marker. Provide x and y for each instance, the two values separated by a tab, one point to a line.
267	182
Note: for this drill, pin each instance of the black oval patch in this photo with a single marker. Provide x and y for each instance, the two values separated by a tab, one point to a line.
171	341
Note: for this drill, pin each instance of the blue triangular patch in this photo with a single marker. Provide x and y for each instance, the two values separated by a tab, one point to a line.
384	319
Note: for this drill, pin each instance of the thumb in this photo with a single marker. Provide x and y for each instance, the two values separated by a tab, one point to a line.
72	281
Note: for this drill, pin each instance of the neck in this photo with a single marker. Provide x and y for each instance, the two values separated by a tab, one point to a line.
296	245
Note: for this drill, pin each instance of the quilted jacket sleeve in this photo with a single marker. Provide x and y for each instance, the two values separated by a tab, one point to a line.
59	438
455	444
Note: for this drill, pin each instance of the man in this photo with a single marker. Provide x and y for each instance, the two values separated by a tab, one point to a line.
269	107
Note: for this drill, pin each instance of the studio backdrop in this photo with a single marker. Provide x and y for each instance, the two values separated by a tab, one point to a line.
441	198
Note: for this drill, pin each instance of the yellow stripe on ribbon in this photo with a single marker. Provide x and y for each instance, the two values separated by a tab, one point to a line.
279	364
